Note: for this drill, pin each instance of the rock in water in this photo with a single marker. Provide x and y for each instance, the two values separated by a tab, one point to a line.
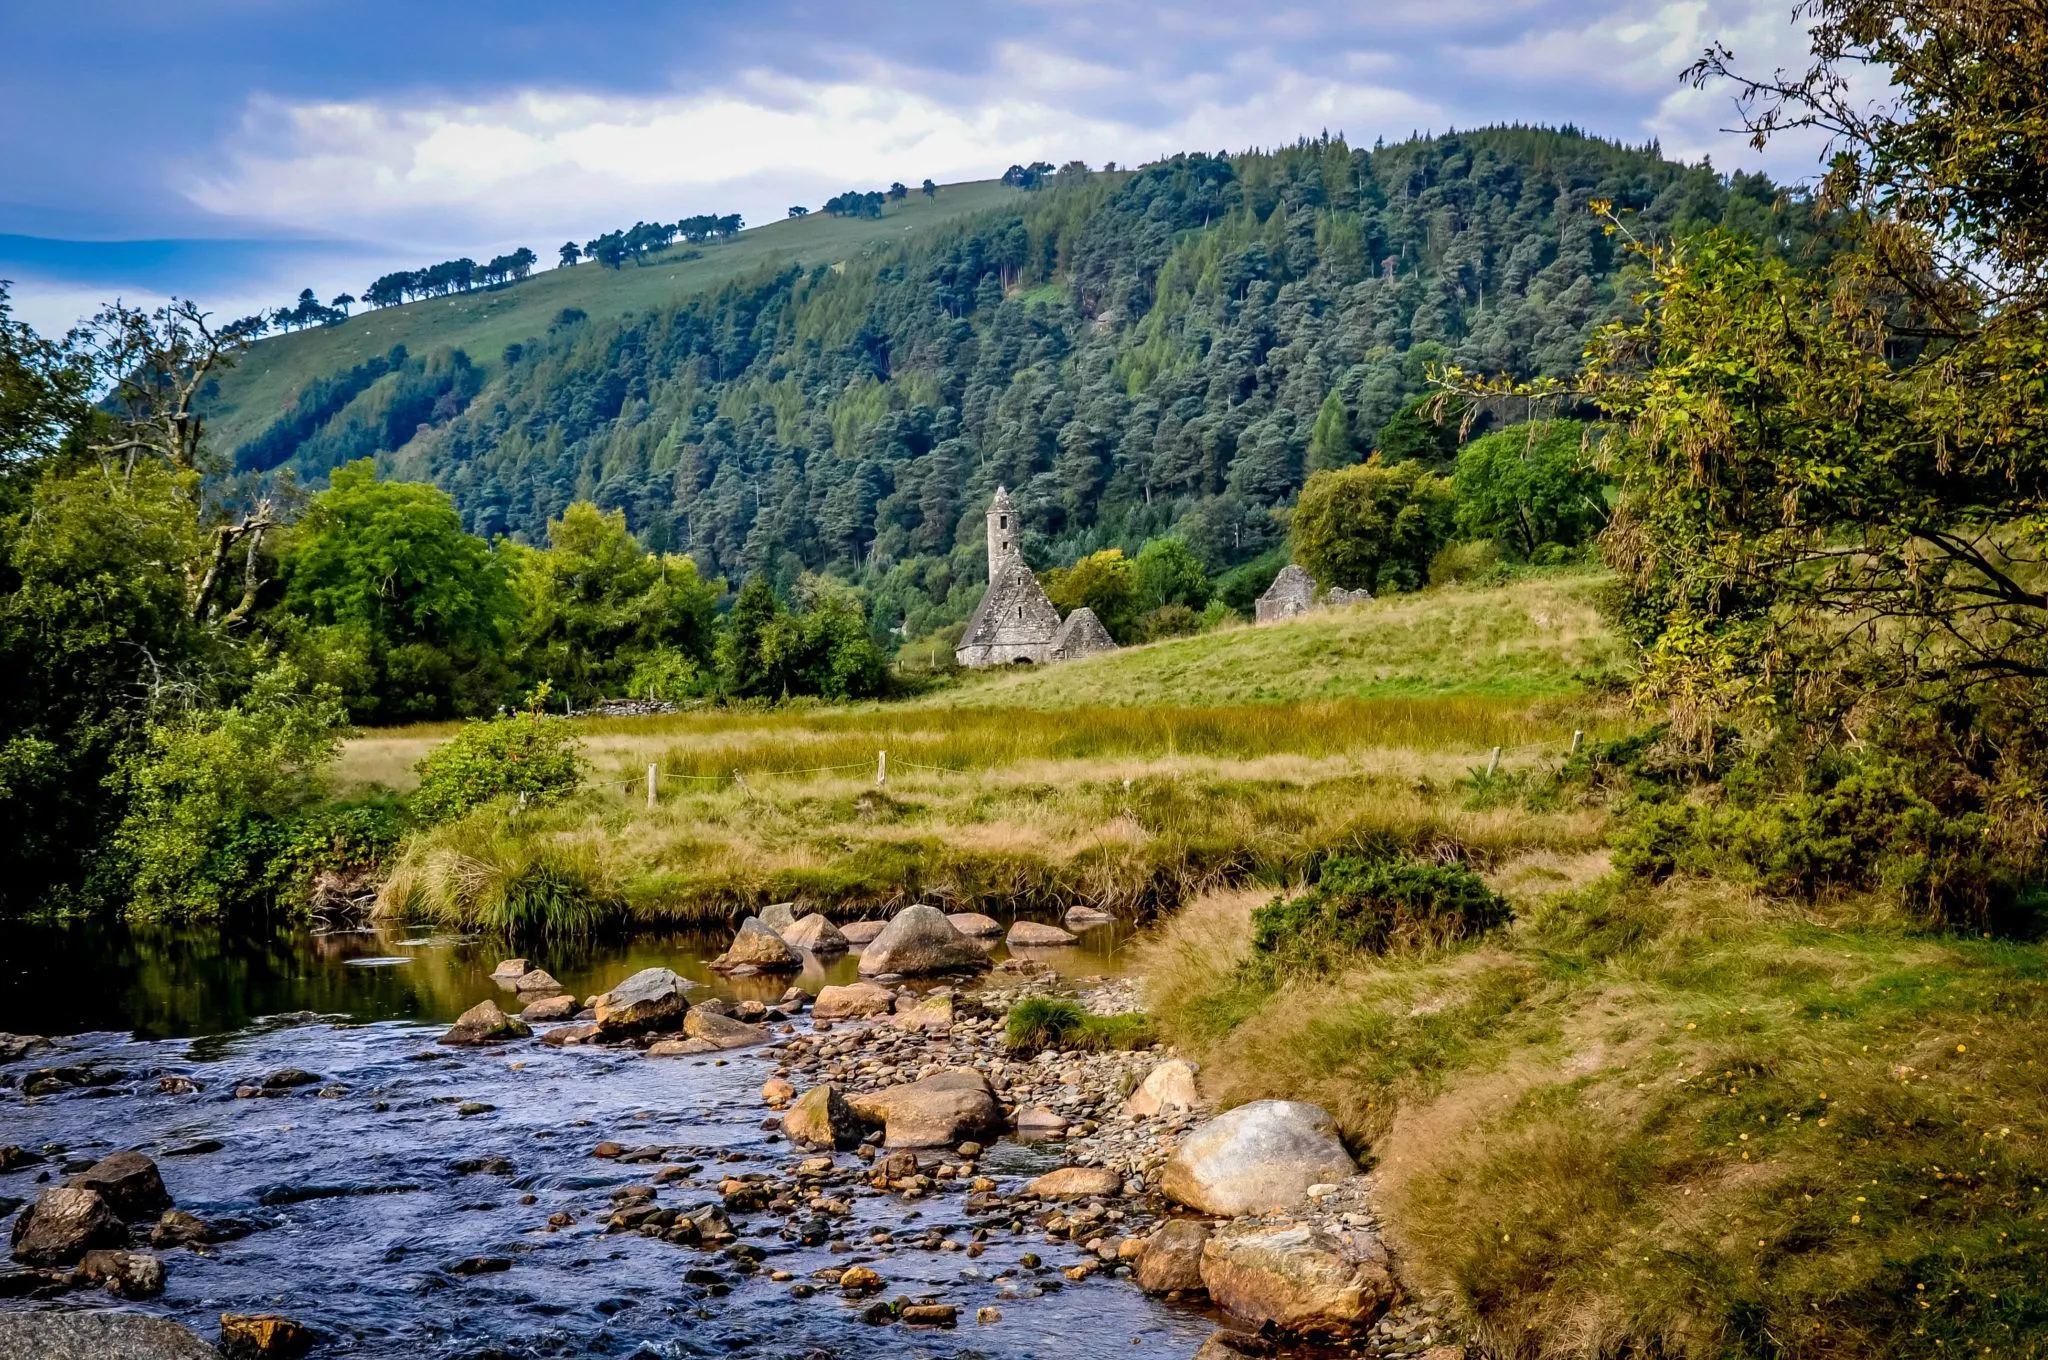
757	947
1077	1182
815	934
861	932
652	998
722	1030
821	1117
779	916
855	1001
1169	1086
484	1023
1033	935
130	1184
1039	1121
1298	1278
264	1336
939	1111
509	970
124	1274
1086	918
535	981
974	923
933	1015
63	1224
99	1336
1172	1258
550	1008
1258	1158
917	941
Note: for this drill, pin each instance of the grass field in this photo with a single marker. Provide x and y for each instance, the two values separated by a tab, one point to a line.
482	323
1041	789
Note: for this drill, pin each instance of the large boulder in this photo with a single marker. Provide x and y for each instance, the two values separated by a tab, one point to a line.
855	1001
100	1335
1087	918
1033	935
1298	1278
485	1023
779	916
933	1015
509	970
920	940
821	1116
816	935
1258	1158
65	1223
1172	1258
130	1184
652	998
974	923
536	982
942	1110
722	1030
757	949
263	1336
862	932
1169	1086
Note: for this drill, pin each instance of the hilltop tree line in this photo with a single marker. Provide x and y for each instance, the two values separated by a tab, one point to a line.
634	243
1137	354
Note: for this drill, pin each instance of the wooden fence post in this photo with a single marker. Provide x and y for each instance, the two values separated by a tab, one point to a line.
653	774
881	769
1493	762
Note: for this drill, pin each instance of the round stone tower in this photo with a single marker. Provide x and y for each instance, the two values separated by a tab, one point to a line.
1002	531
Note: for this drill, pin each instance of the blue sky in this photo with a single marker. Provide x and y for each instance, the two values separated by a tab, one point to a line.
235	151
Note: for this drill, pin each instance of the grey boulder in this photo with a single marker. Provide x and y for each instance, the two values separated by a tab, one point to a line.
65	1223
757	949
814	934
652	998
485	1023
920	940
130	1184
105	1335
1259	1158
1298	1278
942	1110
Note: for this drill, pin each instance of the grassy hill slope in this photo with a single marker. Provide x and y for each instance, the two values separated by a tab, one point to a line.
1530	639
483	322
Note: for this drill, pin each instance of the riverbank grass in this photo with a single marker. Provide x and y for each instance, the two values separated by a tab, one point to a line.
1676	1121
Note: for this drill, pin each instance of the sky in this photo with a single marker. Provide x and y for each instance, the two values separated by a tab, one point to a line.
235	151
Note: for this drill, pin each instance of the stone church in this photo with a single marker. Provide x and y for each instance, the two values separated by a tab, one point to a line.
1015	622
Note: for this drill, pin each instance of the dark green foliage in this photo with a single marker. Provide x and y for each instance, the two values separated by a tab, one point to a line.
386	598
1133	355
528	759
1241	586
1375	906
1169	573
1045	1022
320	402
822	648
1415	432
1531	487
1373	527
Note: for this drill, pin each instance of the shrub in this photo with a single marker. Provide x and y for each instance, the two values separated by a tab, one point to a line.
1173	620
1375	907
1042	1022
1531	487
212	795
530	757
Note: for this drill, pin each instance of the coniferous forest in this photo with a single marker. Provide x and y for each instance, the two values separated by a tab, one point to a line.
1170	349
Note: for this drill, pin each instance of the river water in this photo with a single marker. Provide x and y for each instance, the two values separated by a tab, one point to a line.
364	1214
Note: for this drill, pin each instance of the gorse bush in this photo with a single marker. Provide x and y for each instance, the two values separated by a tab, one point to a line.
1374	907
529	757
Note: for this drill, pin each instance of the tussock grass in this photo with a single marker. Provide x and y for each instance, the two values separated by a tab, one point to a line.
1042	1022
1680	1122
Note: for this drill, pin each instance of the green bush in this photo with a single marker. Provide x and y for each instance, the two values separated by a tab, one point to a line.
528	757
212	796
1375	907
1373	527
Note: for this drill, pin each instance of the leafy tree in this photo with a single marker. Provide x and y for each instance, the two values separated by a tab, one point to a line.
1529	486
897	192
798	210
597	607
1372	527
386	595
569	254
1418	432
742	671
1105	582
822	649
929	189
1330	443
1169	573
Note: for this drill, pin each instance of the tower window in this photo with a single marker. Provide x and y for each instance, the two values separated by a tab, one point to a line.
1002	521
1020	611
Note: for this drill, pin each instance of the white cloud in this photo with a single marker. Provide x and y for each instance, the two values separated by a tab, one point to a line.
545	161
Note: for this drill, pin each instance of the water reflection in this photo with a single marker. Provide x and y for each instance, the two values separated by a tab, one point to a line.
177	981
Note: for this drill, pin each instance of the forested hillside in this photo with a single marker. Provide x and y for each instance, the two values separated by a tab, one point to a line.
1175	347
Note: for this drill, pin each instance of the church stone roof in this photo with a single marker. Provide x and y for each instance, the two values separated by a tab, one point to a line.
1014	622
1081	635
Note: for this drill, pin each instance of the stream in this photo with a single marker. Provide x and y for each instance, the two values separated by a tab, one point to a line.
400	1203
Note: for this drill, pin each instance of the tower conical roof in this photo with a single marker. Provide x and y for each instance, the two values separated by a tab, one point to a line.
1001	501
